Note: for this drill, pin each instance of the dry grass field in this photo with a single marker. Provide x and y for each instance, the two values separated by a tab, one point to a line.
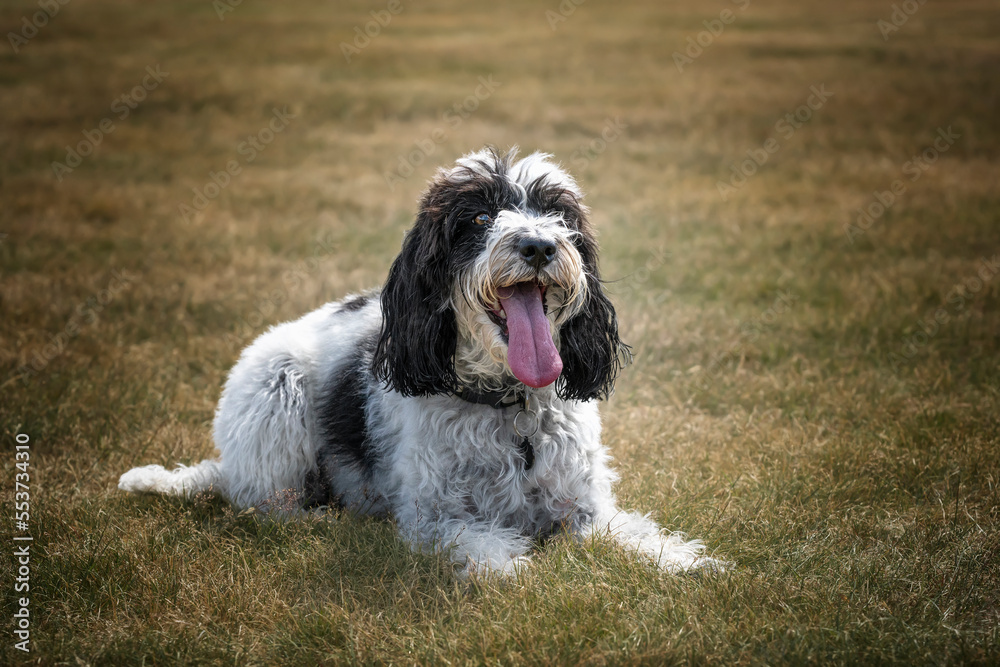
816	393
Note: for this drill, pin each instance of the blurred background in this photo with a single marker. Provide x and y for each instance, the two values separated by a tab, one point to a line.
798	210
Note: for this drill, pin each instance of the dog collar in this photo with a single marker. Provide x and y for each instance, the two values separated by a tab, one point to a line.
495	399
505	399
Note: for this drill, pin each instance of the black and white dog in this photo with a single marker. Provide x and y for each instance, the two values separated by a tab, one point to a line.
462	398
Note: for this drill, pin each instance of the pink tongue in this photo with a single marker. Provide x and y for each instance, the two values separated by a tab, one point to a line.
530	351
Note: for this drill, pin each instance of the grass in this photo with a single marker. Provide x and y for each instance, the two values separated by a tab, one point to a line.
786	405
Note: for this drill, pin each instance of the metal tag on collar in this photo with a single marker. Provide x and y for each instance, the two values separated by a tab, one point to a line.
527	428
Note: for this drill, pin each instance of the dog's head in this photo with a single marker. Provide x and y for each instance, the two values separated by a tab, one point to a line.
497	284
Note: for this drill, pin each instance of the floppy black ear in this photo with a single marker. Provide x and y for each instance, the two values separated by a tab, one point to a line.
591	351
415	354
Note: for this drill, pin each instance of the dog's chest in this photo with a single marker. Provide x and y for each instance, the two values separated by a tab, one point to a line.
490	471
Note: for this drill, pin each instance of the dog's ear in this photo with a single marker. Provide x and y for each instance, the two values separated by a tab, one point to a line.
591	351
415	354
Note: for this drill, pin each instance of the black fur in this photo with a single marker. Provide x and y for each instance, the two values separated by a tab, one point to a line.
355	303
591	350
416	348
340	415
545	197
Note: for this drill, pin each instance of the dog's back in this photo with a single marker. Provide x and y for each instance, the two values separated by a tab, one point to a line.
277	410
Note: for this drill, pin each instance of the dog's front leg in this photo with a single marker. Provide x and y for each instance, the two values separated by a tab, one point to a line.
435	524
434	507
638	533
634	531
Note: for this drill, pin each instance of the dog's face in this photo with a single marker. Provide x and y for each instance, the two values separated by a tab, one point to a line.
497	284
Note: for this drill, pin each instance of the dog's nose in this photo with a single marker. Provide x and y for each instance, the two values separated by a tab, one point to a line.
537	252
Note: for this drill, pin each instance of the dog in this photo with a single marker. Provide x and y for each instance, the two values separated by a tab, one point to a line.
461	398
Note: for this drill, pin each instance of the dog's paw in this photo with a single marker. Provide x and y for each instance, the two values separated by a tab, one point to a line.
503	570
142	480
704	566
516	565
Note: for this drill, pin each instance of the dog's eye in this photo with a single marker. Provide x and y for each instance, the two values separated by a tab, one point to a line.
482	219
